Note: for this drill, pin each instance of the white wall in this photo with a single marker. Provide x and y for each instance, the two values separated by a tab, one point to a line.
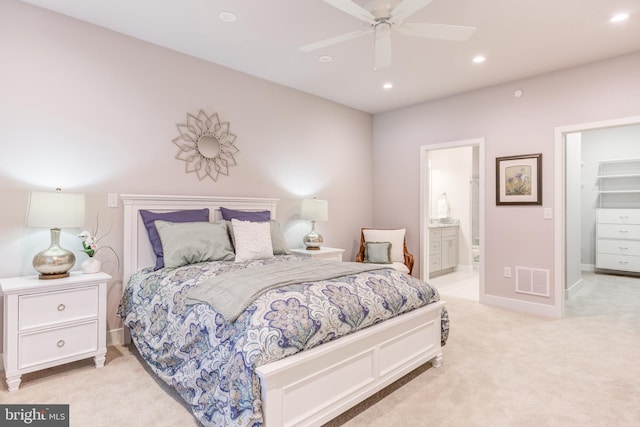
93	111
514	235
601	144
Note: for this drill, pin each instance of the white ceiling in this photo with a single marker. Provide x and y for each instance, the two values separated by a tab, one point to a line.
520	38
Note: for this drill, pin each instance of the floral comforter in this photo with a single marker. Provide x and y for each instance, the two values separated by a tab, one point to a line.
211	364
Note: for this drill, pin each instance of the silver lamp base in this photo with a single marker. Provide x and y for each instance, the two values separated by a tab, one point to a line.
54	262
313	240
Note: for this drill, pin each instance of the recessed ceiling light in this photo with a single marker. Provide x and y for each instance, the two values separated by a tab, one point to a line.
228	16
387	86
619	17
518	93
325	58
478	59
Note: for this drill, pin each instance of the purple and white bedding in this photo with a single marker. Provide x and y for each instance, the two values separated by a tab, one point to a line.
211	363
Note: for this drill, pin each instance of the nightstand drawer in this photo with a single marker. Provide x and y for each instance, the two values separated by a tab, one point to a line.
56	307
56	344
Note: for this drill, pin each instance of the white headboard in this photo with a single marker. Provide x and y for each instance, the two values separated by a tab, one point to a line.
137	248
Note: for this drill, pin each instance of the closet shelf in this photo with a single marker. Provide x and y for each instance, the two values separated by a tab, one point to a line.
627	175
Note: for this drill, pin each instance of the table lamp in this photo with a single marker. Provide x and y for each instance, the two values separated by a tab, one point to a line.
55	211
314	210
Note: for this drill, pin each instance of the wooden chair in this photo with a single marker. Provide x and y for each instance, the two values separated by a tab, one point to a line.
401	259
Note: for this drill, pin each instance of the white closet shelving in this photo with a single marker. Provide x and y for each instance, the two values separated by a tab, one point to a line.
618	215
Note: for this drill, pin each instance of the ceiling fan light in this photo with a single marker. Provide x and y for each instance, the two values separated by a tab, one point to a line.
619	17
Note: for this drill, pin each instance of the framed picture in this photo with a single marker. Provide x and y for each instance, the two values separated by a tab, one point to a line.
519	180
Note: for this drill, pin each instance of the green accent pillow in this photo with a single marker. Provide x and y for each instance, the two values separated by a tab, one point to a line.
377	252
191	242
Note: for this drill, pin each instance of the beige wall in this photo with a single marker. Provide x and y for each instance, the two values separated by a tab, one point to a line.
514	236
94	112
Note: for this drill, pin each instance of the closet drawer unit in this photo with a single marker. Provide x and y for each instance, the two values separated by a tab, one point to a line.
618	231
49	308
619	247
618	262
618	216
57	344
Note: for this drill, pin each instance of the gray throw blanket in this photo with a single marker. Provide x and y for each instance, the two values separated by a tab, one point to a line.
231	293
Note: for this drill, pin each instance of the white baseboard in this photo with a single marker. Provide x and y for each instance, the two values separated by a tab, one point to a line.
115	337
527	307
573	289
588	267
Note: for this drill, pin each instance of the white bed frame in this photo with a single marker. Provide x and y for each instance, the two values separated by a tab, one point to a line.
313	386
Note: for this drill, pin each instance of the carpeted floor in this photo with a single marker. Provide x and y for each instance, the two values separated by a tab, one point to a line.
500	368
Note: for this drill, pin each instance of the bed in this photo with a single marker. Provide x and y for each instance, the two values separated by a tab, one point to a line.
239	371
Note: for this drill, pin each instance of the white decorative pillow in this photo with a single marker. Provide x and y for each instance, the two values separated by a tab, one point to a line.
396	237
252	240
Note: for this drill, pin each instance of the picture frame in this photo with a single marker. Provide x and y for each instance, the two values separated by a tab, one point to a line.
519	180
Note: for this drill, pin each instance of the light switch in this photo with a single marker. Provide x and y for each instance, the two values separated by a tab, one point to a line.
548	213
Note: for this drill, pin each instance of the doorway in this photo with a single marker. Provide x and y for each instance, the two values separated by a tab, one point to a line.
452	207
568	264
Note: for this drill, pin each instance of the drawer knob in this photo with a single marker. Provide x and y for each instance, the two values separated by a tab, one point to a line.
61	343
61	307
622	248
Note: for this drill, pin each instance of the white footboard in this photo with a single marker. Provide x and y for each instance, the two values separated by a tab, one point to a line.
314	386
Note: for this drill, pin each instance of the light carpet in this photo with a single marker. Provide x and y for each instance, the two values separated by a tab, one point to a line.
500	368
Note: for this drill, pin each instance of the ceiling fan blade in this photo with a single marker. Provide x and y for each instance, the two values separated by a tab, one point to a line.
437	31
334	40
382	47
353	9
407	8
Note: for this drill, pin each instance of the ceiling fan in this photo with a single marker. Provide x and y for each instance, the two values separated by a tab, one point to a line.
382	17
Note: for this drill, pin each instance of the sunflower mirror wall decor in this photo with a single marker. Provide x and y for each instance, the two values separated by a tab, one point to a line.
206	145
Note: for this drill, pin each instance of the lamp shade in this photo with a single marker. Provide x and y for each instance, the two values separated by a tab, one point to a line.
315	210
55	210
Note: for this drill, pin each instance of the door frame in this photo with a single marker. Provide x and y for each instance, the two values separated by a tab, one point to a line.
425	203
560	199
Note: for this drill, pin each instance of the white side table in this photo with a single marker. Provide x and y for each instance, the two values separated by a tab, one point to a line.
334	254
52	322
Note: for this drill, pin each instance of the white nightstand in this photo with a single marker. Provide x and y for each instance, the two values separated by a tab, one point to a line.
51	322
334	254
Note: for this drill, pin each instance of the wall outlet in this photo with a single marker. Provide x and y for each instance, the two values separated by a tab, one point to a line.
507	272
112	200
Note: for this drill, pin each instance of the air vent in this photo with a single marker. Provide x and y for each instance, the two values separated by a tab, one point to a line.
532	281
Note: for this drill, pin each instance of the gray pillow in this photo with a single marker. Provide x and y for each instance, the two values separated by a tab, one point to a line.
377	252
148	217
191	242
277	239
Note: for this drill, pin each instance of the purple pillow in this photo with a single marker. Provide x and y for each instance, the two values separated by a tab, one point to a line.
148	217
253	216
